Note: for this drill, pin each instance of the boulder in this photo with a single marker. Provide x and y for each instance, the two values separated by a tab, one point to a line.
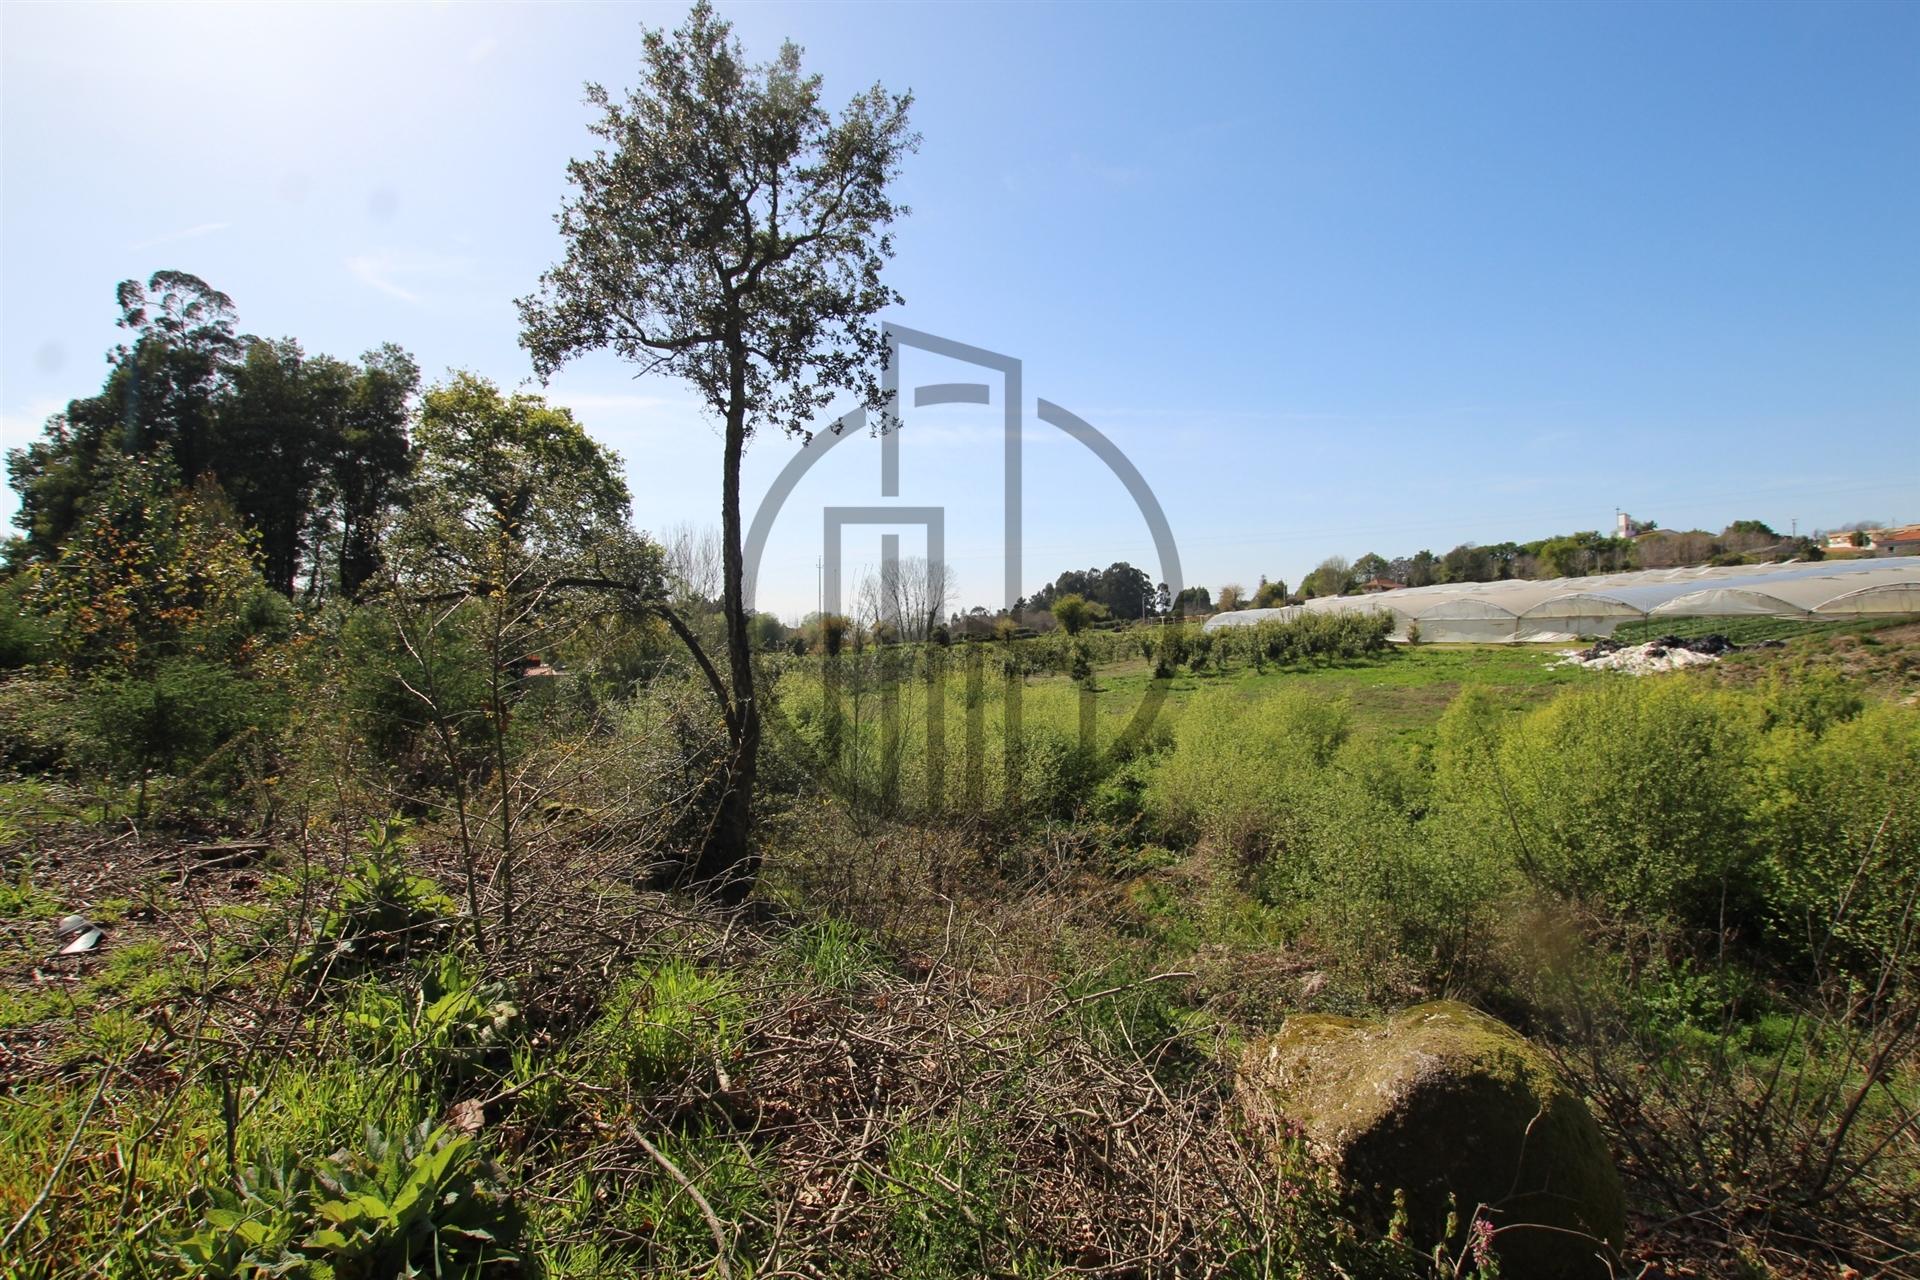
1439	1101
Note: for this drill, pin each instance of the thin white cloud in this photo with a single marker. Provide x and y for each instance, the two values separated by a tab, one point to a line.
174	237
373	271
1110	175
482	50
384	271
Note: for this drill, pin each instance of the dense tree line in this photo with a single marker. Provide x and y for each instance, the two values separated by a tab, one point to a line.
311	451
1120	589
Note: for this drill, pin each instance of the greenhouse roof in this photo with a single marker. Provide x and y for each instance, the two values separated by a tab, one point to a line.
1521	609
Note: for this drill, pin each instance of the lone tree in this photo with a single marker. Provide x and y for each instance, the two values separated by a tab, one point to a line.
1073	613
731	232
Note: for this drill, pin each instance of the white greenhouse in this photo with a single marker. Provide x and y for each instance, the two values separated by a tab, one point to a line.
1562	609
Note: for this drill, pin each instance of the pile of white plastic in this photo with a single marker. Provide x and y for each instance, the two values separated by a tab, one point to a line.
1635	660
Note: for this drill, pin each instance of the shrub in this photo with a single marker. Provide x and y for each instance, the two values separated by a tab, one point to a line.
384	912
37	723
1241	769
25	637
419	1203
418	699
455	1027
1841	834
170	720
1810	697
1634	793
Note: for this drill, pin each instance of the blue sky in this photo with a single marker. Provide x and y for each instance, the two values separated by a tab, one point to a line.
1336	278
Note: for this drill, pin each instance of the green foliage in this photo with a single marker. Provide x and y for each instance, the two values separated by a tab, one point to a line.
157	404
1810	698
24	637
1636	793
38	730
454	1028
1240	772
309	449
1842	834
664	1023
171	718
1577	554
504	477
1072	613
1081	667
423	1202
1306	638
386	667
832	953
941	1196
384	913
151	572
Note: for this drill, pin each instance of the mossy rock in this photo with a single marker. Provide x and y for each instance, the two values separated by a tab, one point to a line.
1441	1101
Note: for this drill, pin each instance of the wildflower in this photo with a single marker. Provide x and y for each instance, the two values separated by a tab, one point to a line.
1480	1241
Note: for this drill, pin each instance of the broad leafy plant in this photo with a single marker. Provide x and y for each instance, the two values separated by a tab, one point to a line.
423	1203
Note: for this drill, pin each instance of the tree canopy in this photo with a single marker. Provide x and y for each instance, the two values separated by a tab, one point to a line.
731	232
310	450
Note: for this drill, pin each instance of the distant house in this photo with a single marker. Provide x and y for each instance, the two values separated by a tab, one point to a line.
533	667
1901	540
1372	585
1904	540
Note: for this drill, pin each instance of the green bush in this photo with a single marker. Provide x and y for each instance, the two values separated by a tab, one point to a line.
418	1203
37	723
1241	768
1634	794
1811	698
25	637
406	688
1841	830
454	1028
384	912
169	720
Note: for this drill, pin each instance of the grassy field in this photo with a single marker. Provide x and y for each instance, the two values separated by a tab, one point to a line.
1404	691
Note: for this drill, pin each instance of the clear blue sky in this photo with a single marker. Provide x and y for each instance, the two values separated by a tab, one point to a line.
1338	278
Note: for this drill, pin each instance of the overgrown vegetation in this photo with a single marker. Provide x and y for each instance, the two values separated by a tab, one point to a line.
392	884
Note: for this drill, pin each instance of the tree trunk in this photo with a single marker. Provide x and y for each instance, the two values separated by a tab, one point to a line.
728	865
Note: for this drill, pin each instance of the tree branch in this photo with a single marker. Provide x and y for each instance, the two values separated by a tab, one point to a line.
646	603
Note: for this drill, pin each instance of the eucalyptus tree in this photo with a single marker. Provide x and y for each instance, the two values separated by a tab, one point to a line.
730	231
159	398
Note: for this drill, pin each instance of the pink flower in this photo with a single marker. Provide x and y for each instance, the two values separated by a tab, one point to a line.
1480	1241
